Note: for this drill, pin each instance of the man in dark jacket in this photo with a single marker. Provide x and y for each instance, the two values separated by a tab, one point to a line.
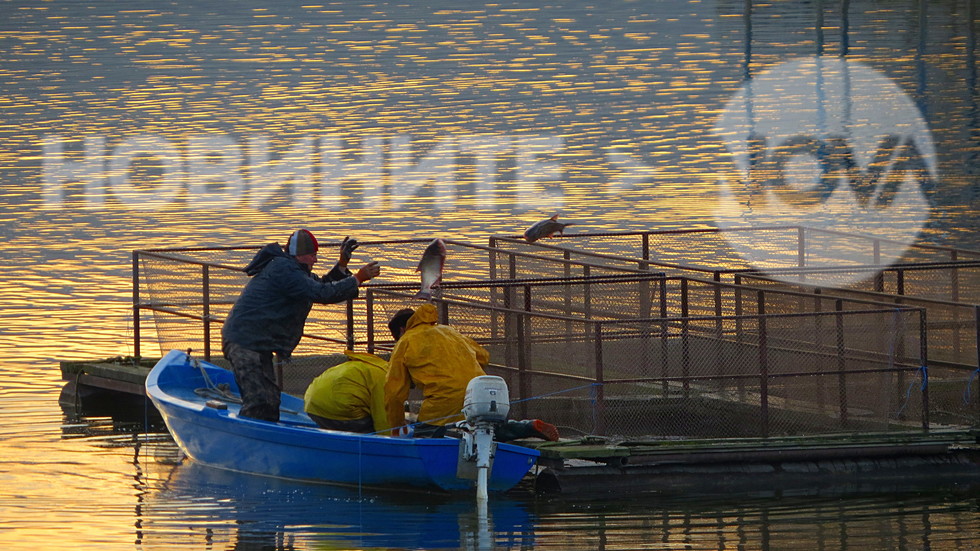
269	316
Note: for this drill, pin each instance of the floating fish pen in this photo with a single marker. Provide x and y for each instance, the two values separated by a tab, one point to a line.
637	353
944	281
637	361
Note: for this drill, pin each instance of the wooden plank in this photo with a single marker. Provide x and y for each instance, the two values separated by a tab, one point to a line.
125	373
116	385
839	439
788	454
760	449
573	451
114	376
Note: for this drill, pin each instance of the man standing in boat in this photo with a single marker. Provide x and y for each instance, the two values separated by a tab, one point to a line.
441	361
269	316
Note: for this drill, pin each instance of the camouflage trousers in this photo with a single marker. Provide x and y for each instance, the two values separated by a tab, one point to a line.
256	378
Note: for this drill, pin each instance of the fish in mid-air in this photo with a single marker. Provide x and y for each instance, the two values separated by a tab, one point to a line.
431	265
545	228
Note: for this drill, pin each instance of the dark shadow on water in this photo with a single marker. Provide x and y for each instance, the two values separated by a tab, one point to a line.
130	412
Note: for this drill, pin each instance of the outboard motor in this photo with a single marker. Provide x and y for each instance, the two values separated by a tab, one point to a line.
487	399
487	402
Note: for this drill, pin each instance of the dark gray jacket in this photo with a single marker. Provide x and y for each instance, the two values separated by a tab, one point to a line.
270	313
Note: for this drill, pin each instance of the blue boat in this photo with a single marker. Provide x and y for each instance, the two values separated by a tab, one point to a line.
196	400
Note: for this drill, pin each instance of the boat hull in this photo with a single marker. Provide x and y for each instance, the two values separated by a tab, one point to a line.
295	448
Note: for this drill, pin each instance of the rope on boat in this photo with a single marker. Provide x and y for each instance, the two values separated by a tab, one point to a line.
220	391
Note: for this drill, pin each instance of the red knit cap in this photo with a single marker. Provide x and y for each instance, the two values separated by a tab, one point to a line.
301	242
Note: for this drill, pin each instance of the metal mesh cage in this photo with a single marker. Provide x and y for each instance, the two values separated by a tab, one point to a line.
604	345
749	375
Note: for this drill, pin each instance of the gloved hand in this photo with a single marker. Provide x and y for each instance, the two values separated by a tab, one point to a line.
369	271
347	249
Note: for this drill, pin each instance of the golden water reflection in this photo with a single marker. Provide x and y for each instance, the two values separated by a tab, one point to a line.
456	122
644	83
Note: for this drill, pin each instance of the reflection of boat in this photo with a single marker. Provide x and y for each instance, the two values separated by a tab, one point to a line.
211	432
218	505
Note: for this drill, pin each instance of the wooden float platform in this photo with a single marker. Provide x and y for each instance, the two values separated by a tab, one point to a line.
784	448
122	374
111	387
790	463
665	465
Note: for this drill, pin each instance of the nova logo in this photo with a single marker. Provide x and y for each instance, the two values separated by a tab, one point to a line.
830	144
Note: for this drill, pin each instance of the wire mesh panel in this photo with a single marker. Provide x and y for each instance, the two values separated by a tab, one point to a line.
188	295
191	292
958	282
684	297
953	282
466	261
609	252
680	249
784	246
553	263
182	284
778	248
174	282
778	374
951	327
600	297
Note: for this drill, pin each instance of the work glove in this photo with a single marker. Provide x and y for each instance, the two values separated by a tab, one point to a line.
368	272
347	249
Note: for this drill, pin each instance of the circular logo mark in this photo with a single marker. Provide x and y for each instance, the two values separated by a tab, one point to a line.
833	146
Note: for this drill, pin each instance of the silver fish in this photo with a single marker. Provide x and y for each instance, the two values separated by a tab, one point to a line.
431	265
545	228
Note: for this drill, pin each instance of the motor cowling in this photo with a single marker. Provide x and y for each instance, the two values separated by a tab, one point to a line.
487	399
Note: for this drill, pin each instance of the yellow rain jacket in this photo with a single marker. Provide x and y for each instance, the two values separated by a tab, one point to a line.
352	390
440	361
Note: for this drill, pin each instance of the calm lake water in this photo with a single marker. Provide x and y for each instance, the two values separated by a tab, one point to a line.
148	124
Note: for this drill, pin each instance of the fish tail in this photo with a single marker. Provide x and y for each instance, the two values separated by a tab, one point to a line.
424	294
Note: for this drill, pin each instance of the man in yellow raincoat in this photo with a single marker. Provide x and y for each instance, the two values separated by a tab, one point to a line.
350	396
441	361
